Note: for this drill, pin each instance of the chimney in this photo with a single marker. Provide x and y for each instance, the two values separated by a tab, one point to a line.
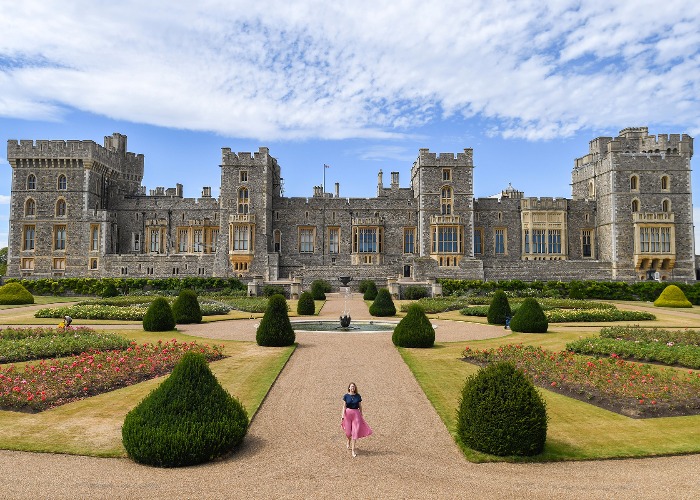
380	183
394	180
337	189
206	192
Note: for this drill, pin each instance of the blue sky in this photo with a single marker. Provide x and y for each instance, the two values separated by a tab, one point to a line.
360	85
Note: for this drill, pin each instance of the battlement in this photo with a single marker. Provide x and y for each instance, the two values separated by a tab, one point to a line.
428	159
261	157
543	203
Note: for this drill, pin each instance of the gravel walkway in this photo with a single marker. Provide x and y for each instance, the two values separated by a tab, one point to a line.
295	448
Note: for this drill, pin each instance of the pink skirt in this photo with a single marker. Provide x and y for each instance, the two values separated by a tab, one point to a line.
354	425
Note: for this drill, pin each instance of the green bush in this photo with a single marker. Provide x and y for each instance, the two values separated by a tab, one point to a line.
364	284
499	309
529	318
414	292
306	305
270	290
275	329
502	413
414	330
15	294
672	296
439	304
186	308
319	289
109	291
159	317
189	419
383	305
370	290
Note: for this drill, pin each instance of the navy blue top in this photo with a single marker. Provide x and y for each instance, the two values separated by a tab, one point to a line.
352	401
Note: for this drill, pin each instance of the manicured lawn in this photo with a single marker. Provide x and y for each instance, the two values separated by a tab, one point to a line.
44	299
93	426
576	431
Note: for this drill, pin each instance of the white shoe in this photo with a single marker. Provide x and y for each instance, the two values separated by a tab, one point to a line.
354	454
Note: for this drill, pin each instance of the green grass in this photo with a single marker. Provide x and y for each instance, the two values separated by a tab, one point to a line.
93	426
576	431
42	300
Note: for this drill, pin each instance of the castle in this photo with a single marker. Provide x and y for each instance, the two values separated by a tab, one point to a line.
78	209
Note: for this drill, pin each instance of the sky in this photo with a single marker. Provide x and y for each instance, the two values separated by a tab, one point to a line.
359	86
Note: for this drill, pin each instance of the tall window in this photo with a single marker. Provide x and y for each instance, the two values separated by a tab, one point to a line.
198	240
306	240
446	201
243	200
478	241
664	183
538	241
31	181
665	206
334	240
586	247
634	183
30	207
62	182
244	176
29	234
500	241
526	241
409	240
241	238
155	240
367	239
59	239
213	239
61	208
447	239
136	241
183	236
655	239
277	240
554	241
94	238
446	174
635	205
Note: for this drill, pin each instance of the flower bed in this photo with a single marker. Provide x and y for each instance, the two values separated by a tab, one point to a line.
133	312
48	384
442	304
247	304
686	337
573	315
22	344
632	389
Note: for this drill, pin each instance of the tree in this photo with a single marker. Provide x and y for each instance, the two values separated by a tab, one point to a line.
3	261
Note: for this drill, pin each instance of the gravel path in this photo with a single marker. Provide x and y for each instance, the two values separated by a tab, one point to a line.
295	448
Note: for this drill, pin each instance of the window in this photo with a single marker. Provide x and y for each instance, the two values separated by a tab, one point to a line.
409	240
183	236
478	241
666	206
655	239
500	241
554	241
59	264
306	239
241	238
31	181
334	240
635	205
61	208
27	264
446	201
367	240
244	176
243	201
155	240
93	264
634	183
446	174
591	190
277	240
586	248
526	241
29	234
198	240
29	208
94	237
62	182
59	237
538	241
664	183
136	241
447	239
213	239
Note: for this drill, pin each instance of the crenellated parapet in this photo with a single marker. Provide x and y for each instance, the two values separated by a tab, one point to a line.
246	159
428	159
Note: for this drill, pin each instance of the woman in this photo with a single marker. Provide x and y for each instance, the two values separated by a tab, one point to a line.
351	419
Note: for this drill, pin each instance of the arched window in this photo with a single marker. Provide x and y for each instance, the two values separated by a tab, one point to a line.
31	181
446	201
666	206
243	200
277	240
634	183
635	205
665	184
30	207
591	190
61	208
62	182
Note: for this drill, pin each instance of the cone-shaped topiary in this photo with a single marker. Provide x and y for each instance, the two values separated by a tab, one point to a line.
499	309
370	290
306	305
187	420
109	291
159	316
15	294
186	308
502	413
529	318
319	289
672	296
275	329
383	305
414	330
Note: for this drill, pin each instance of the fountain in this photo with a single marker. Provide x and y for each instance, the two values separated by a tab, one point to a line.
345	289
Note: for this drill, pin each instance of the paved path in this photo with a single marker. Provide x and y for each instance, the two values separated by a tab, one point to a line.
295	448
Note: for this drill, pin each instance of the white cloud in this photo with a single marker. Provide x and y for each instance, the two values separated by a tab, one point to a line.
296	70
4	199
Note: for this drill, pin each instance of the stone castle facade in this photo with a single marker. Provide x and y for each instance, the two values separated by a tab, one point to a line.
78	209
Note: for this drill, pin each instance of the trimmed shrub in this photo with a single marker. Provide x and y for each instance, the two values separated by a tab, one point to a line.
306	305
319	289
186	308
189	419
363	285
383	305
499	309
414	292
529	318
159	317
414	330
502	413
270	290
672	296
109	291
370	290
15	294
275	329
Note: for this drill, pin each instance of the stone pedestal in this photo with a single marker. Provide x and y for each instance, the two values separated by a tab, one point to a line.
437	289
295	291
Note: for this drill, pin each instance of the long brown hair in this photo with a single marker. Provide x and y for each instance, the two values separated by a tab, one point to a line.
356	391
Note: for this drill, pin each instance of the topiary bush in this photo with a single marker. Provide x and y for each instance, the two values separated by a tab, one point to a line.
186	308
672	296
370	290
499	309
502	413
529	318
415	292
159	316
319	289
15	294
275	329
270	290
414	330
187	420
383	305
306	305
109	291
